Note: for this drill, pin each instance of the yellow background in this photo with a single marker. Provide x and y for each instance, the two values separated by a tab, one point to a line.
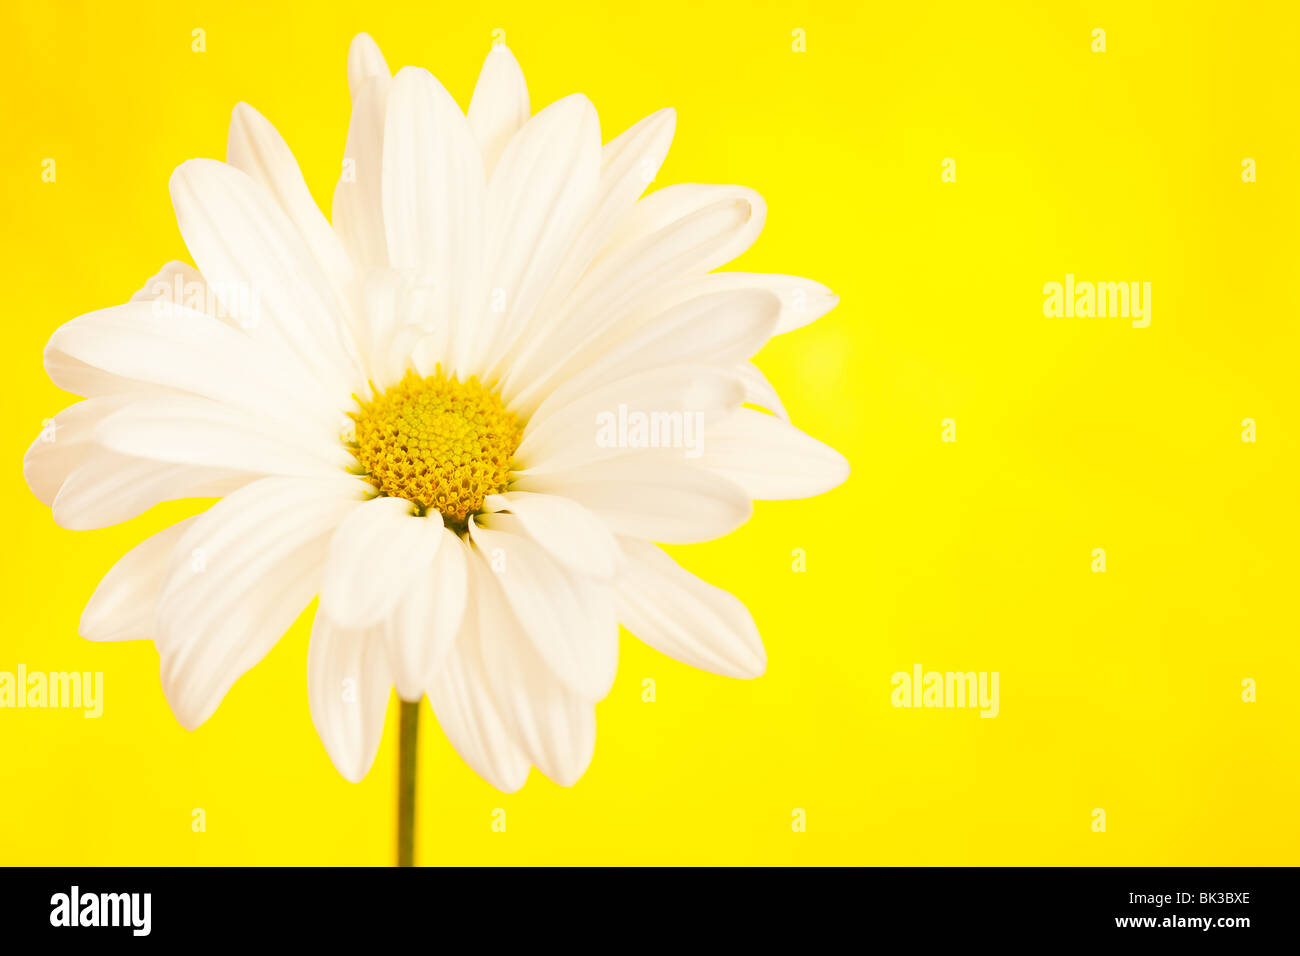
1118	690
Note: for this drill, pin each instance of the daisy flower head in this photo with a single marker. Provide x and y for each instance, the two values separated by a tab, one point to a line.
459	411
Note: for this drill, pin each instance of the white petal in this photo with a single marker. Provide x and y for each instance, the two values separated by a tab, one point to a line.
647	495
680	201
107	488
124	605
569	619
143	345
720	329
348	682
251	253
241	574
771	459
395	310
188	430
425	622
681	402
679	615
703	228
364	62
723	329
63	444
434	195
759	391
179	283
468	715
499	106
571	533
802	300
555	728
256	148
358	210
629	163
377	554
538	198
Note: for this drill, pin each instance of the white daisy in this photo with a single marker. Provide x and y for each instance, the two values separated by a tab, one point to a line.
459	414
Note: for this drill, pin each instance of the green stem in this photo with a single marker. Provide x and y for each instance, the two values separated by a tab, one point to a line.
406	762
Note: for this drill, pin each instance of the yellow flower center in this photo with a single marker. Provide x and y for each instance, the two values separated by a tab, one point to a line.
440	442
